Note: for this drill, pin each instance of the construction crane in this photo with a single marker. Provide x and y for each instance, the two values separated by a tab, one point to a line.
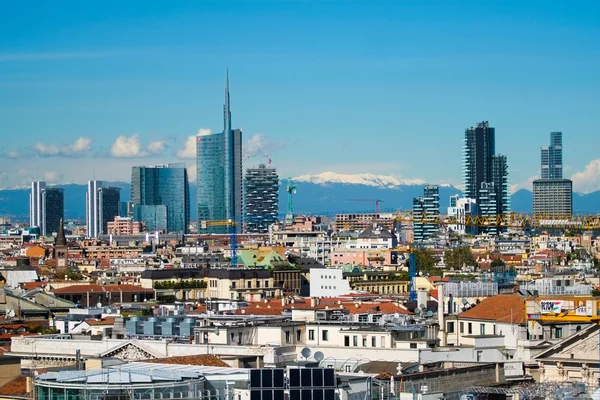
291	190
232	236
263	155
510	220
376	201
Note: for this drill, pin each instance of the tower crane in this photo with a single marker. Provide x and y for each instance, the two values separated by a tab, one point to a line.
376	201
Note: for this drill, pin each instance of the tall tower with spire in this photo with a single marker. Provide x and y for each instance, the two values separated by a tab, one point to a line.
220	173
61	250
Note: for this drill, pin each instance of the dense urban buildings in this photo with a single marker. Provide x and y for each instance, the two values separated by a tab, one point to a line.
261	188
123	226
426	210
485	171
103	204
219	175
53	210
160	197
461	208
552	194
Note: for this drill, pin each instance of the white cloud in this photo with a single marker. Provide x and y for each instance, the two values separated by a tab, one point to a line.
75	149
131	147
13	154
588	180
261	145
53	177
158	147
188	151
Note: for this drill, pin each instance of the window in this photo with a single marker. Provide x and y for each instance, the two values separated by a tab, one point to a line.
233	285
364	341
355	341
287	336
373	341
450	327
482	329
325	335
558	333
470	328
462	327
347	341
348	368
298	335
311	334
413	345
266	283
249	283
382	341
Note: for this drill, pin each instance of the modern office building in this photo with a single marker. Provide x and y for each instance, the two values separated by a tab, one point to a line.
220	175
159	190
488	205
103	204
460	208
553	197
35	203
552	157
261	190
426	210
484	169
53	210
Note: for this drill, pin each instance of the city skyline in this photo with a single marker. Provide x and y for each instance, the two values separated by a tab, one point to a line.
79	94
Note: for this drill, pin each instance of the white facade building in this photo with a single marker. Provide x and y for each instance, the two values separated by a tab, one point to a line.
93	209
328	282
35	203
460	208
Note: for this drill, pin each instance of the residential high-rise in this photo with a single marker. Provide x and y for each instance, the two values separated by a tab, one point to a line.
220	175
261	190
159	191
552	157
426	209
35	203
484	170
461	208
53	210
552	195
479	148
103	204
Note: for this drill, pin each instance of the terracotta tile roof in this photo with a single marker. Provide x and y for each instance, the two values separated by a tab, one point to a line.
375	308
4	349
434	293
499	308
7	336
16	387
33	285
105	321
201	359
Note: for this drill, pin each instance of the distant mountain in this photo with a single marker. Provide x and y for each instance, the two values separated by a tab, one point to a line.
323	193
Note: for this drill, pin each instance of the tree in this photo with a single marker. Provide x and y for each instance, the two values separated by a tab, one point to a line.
458	257
498	265
426	263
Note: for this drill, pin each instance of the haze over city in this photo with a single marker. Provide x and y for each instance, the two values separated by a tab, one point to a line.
91	89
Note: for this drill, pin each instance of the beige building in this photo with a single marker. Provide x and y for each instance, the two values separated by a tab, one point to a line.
123	226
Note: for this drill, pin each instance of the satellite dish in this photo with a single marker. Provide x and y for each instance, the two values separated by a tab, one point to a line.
430	313
10	313
99	305
396	315
396	320
319	356
381	322
417	311
306	352
108	311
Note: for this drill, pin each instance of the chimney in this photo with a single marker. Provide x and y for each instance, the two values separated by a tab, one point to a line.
441	314
284	301
313	302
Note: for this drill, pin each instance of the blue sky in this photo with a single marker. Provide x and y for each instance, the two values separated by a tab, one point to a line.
384	87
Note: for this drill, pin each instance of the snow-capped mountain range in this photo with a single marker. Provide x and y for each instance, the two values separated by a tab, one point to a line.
382	181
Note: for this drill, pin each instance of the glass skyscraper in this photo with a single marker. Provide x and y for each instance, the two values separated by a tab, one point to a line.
552	157
103	204
161	185
53	210
485	172
426	210
219	177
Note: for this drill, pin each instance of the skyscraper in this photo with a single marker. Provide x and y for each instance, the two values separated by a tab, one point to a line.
220	175
552	157
53	210
484	171
261	190
426	209
552	195
159	192
102	205
35	203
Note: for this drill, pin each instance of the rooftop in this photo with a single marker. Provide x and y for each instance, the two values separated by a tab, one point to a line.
508	308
